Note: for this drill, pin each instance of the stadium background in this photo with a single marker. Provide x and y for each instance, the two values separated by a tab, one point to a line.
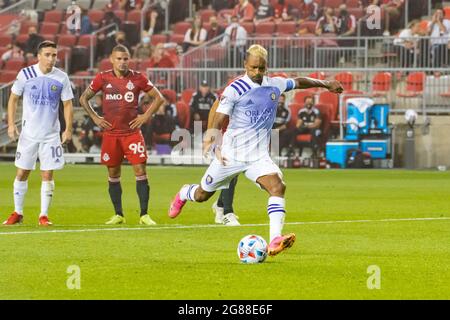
346	220
367	63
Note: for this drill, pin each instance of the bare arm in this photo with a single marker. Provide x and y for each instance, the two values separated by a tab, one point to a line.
87	95
68	116
212	113
12	106
157	99
306	83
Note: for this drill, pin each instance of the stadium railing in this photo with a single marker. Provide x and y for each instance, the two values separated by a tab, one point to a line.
322	52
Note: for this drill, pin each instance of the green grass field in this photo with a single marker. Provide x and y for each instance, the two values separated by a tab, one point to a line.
345	221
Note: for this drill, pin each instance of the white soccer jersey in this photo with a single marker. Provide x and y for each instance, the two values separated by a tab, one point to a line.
41	96
252	110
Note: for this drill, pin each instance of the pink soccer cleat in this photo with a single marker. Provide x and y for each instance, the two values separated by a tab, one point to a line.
281	243
14	218
43	221
176	206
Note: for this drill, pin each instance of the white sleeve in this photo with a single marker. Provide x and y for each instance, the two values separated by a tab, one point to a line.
283	84
67	93
227	101
19	84
203	35
187	35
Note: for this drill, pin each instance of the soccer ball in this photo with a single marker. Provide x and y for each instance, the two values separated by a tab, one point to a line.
252	249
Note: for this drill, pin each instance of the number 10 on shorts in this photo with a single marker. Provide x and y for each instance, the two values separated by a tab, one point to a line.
137	148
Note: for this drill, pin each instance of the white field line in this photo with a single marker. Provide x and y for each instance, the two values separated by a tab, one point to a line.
198	226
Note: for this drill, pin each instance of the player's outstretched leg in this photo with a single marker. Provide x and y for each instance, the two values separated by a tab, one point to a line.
191	192
115	192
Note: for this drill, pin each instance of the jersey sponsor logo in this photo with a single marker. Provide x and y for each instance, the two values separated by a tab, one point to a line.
106	157
130	85
113	96
209	180
273	96
53	88
129	96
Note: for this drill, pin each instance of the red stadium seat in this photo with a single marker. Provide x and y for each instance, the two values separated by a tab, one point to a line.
333	3
287	28
22	38
248	26
357	12
346	79
63	54
14	64
310	26
447	12
121	14
186	95
381	84
96	16
7	76
85	40
300	96
181	27
205	14
295	108
55	16
352	3
170	94
317	75
327	97
50	37
177	38
135	16
49	28
5	39
67	40
414	85
265	28
26	25
158	38
183	114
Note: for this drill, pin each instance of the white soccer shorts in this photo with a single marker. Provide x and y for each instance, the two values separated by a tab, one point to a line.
50	154
218	176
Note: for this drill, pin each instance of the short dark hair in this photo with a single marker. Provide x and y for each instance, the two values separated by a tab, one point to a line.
307	97
120	48
46	44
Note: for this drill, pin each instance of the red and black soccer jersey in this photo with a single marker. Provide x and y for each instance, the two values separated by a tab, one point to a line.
120	98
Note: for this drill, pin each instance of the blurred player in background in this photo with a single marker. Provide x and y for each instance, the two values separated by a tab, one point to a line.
121	124
43	87
250	103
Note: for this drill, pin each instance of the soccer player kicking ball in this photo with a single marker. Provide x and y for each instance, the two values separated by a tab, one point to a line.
250	102
42	86
122	137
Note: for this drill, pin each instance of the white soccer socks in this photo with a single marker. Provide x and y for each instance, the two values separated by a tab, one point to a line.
187	192
20	189
47	188
276	211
